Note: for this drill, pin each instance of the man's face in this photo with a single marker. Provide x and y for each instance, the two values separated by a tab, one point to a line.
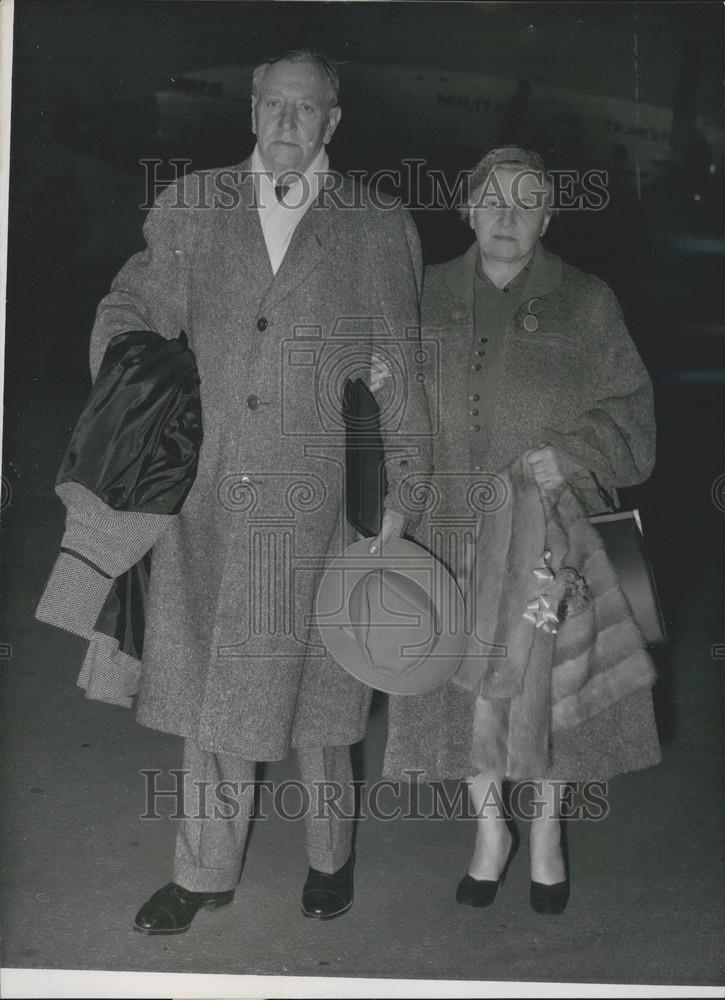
290	116
509	214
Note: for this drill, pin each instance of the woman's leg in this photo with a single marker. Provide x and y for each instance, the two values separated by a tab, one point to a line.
546	855
493	837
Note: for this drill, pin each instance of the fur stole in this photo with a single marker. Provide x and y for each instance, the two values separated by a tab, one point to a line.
576	650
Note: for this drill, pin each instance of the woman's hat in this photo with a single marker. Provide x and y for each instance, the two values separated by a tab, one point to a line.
393	619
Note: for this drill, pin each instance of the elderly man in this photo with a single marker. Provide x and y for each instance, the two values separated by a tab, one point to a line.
283	289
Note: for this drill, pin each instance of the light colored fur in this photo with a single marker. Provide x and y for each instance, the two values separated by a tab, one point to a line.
547	682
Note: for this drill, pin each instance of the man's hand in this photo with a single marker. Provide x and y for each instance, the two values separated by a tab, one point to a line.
551	468
393	525
379	372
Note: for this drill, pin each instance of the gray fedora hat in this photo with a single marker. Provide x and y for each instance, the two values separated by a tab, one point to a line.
393	619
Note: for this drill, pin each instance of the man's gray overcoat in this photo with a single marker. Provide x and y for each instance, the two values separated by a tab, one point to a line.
231	658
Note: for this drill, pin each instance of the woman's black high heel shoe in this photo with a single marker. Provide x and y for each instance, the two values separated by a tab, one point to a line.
549	898
552	899
482	892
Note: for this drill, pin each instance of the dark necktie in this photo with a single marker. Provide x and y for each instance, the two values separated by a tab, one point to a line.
280	190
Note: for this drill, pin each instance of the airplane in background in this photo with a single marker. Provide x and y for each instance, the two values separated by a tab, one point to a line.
444	115
466	109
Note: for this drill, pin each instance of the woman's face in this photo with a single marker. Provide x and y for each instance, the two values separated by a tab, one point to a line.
509	214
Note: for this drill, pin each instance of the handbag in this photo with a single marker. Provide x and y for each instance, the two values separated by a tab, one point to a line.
623	540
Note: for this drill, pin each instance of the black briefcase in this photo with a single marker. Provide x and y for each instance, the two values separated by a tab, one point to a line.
623	540
366	482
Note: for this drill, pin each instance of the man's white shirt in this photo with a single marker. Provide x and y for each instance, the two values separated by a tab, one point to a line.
280	219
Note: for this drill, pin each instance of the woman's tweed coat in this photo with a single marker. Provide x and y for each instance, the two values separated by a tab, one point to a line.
576	382
231	659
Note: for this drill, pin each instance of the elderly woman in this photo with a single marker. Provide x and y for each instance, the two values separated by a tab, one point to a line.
543	408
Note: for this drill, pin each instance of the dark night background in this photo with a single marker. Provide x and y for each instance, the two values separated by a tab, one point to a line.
83	82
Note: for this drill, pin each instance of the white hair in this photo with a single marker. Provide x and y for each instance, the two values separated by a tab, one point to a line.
325	68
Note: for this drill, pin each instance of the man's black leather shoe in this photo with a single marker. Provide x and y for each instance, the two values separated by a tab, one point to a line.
326	896
171	909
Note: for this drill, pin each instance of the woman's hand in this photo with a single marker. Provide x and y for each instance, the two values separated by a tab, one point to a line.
551	468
